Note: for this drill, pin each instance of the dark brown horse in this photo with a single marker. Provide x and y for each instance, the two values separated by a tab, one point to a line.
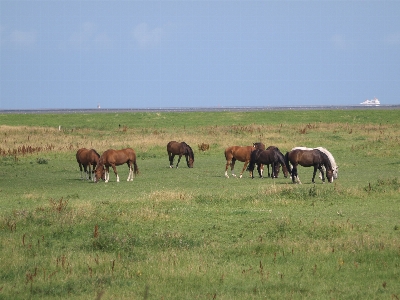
268	157
243	154
176	148
284	169
87	158
113	158
309	158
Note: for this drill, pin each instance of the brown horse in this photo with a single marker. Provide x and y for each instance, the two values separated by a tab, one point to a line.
271	156
284	169
115	158
234	153
308	158
176	148
87	158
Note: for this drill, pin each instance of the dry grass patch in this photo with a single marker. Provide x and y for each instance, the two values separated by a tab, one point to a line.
169	196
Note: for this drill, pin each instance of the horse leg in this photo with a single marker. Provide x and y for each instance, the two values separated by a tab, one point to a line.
86	171
115	171
321	170
260	171
80	168
295	175
244	168
90	171
228	162
232	164
93	171
179	159
171	159
107	174
273	170
314	173
130	175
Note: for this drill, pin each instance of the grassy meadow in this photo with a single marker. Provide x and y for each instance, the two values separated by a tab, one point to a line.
192	233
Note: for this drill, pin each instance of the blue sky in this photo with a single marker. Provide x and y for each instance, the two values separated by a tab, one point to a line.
150	54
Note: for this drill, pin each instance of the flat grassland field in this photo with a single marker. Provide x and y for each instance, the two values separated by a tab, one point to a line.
180	233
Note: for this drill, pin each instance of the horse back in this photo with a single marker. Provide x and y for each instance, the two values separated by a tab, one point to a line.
174	147
79	154
117	157
241	153
83	156
305	158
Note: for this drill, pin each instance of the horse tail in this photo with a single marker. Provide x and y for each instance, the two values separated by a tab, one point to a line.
287	163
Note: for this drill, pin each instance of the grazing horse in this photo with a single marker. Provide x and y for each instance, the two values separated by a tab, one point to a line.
268	157
87	158
308	158
176	148
115	158
242	154
284	169
335	167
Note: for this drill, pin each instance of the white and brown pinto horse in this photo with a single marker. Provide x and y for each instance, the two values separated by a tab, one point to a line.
335	167
87	160
113	158
308	158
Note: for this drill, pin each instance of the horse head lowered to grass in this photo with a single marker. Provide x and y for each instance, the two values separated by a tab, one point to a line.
176	148
88	159
308	158
270	156
113	158
335	167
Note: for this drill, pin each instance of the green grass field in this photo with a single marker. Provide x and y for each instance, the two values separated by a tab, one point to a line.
192	233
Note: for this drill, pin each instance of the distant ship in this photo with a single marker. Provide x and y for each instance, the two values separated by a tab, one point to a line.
373	102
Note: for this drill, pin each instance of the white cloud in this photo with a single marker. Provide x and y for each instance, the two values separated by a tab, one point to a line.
23	38
147	37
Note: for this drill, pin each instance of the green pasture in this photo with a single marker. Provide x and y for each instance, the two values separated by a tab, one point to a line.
192	233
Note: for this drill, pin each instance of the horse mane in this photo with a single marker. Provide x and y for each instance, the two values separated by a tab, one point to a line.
327	161
98	155
259	145
281	158
287	162
189	150
330	156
